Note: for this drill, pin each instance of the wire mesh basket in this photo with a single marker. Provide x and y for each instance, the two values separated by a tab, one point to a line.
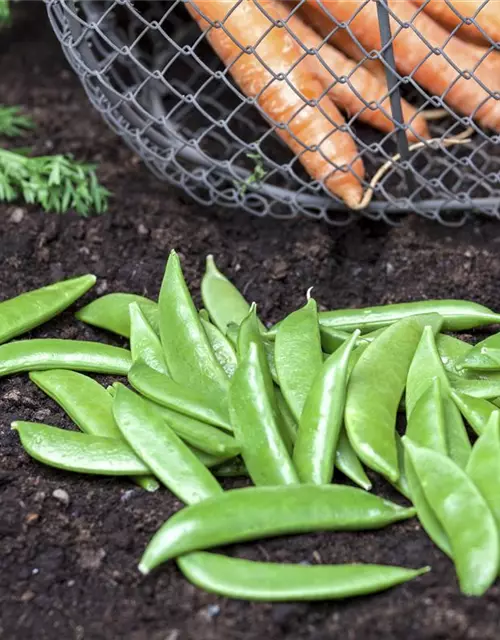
151	72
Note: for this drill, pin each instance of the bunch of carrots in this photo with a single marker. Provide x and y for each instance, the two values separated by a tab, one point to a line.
303	71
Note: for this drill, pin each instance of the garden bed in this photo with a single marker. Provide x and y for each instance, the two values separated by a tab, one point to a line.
68	567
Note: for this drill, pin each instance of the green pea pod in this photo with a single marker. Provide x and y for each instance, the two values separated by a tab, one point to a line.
199	434
87	403
485	355
189	355
111	312
425	367
458	315
484	464
402	485
161	449
223	301
250	333
161	389
255	420
232	333
476	411
348	462
80	452
144	342
426	428
52	353
298	355
275	582
222	347
375	389
258	512
464	515
450	350
30	309
486	388
287	424
459	446
332	339
322	418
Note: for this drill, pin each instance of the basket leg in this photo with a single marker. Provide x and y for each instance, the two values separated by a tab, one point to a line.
393	85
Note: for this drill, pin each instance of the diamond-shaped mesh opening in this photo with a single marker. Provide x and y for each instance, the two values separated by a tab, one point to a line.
150	70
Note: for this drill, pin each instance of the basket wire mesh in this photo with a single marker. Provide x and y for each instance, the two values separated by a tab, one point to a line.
149	70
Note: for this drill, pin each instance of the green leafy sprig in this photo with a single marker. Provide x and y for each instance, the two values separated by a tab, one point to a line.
56	183
12	121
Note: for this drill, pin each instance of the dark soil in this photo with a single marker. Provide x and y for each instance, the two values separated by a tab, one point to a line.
69	571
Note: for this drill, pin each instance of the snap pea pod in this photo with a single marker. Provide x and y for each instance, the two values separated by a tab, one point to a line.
298	355
161	389
222	347
250	333
286	422
144	342
450	350
161	449
199	434
485	355
375	389
476	411
484	464
458	315
322	418
486	388
188	353
255	420
258	512
464	515
232	332
30	309
426	428
332	339
111	312
223	301
80	452
87	403
52	353
274	582
348	462
427	365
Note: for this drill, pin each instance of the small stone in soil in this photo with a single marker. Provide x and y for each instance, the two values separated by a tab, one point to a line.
61	495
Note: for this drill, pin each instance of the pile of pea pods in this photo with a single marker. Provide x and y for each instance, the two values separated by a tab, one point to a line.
214	393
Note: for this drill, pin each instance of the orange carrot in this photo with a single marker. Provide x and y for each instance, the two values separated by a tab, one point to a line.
341	39
362	87
486	15
283	100
414	57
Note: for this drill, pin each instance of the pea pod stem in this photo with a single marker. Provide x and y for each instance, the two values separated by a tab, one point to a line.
250	580
53	353
258	512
